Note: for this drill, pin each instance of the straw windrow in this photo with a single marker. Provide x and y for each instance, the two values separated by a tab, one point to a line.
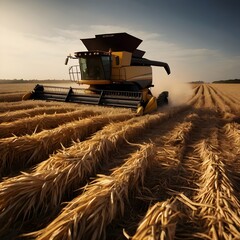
19	152
38	123
66	170
159	222
217	194
87	216
13	106
233	132
18	114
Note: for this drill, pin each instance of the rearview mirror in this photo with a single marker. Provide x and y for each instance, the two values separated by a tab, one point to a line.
66	61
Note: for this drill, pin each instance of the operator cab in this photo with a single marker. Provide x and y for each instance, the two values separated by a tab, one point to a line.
94	65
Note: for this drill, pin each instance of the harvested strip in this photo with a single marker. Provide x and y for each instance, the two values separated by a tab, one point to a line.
13	116
219	101
13	106
234	106
216	192
114	134
87	216
233	132
160	222
11	97
65	171
19	152
38	123
209	103
30	104
197	96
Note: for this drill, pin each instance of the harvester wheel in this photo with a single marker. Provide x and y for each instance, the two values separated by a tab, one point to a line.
27	96
162	99
140	110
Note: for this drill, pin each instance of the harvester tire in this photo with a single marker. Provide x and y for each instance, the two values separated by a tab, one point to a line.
162	99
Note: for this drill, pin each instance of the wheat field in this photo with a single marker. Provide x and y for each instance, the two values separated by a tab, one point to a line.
72	171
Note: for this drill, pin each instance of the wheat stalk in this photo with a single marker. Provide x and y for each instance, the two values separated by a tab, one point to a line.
233	132
19	152
216	192
13	106
159	222
65	170
87	216
18	114
38	123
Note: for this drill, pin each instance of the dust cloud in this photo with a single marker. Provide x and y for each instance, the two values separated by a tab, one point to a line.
179	91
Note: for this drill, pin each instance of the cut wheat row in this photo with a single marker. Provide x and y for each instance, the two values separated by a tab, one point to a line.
232	142
235	108
219	213
170	153
220	103
232	96
11	97
41	122
30	104
20	105
159	222
233	132
87	216
20	152
197	97
66	170
18	114
161	219
209	102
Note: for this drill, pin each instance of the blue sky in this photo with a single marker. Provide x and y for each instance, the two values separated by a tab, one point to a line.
198	38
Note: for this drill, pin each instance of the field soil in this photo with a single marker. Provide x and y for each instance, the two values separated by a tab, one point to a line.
72	171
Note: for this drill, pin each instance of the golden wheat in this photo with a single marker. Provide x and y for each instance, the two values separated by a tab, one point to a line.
74	166
160	222
87	216
38	123
64	171
217	194
233	132
18	114
232	106
11	97
13	106
19	152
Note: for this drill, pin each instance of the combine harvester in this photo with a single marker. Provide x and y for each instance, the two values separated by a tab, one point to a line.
116	73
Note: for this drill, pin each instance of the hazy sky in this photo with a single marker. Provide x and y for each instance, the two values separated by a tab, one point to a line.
199	39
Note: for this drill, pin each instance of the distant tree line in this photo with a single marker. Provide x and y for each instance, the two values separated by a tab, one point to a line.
228	81
30	81
200	82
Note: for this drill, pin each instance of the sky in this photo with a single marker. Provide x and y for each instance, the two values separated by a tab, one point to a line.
199	39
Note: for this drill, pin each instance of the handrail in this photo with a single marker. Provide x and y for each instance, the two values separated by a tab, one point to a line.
74	73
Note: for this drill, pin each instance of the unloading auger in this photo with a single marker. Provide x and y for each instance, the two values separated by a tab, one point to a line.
116	74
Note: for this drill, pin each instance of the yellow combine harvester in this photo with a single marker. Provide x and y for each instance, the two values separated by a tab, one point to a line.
116	73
